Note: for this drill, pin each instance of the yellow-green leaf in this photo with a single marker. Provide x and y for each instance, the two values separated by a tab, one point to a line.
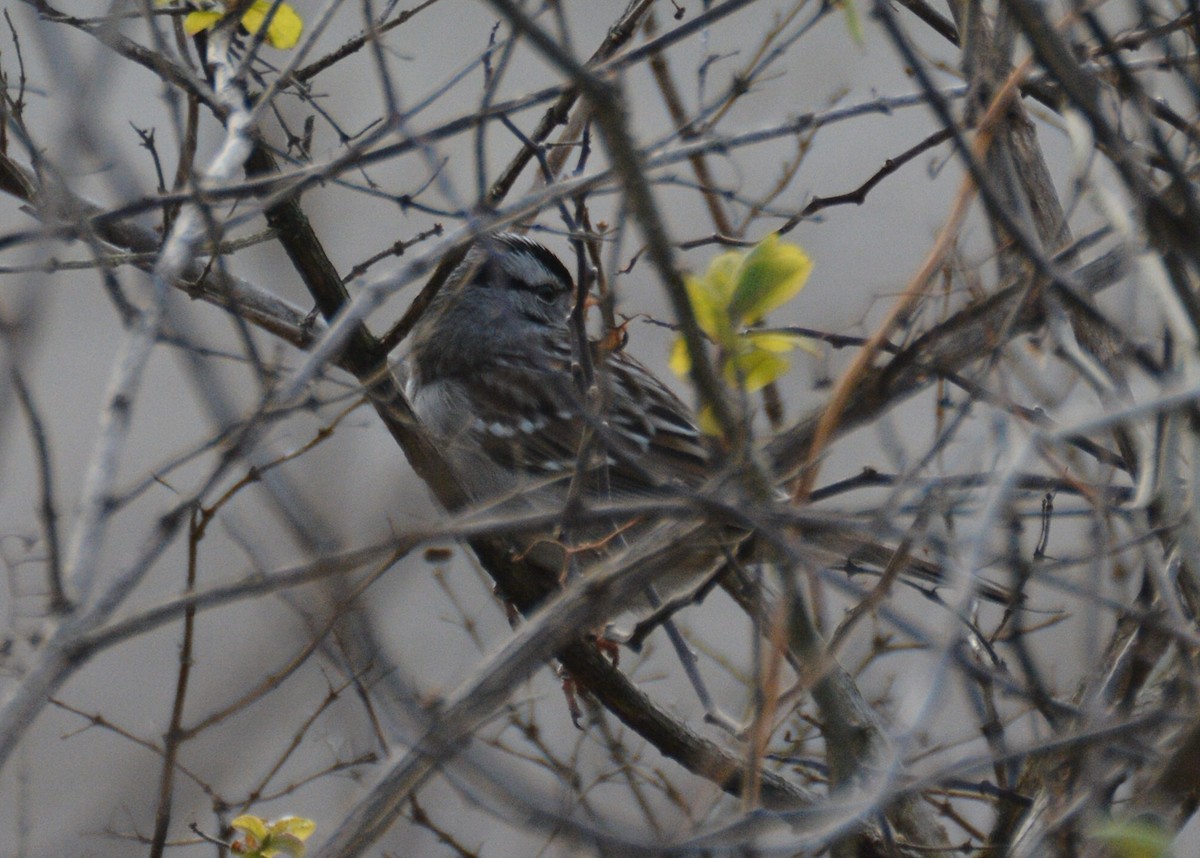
781	342
296	826
722	274
1135	839
284	844
756	369
198	21
285	28
853	23
771	275
738	289
708	305
681	359
255	826
707	422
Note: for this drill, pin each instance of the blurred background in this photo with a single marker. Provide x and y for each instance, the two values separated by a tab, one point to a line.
284	714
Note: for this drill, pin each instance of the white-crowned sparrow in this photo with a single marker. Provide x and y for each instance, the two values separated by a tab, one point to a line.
490	377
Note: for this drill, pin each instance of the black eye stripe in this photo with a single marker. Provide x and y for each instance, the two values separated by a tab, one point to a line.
547	290
544	290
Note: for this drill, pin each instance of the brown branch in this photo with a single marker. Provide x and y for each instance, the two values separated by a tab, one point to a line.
850	383
256	306
859	195
527	586
173	739
687	131
353	46
938	22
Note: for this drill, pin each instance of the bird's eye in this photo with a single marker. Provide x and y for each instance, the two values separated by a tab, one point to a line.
546	292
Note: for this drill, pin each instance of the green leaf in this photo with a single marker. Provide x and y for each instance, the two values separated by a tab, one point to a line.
781	342
739	289
681	358
284	836
284	844
771	275
707	422
853	22
707	305
721	275
756	368
1135	838
294	826
255	826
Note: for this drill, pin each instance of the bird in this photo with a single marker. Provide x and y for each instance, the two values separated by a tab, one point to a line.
493	376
